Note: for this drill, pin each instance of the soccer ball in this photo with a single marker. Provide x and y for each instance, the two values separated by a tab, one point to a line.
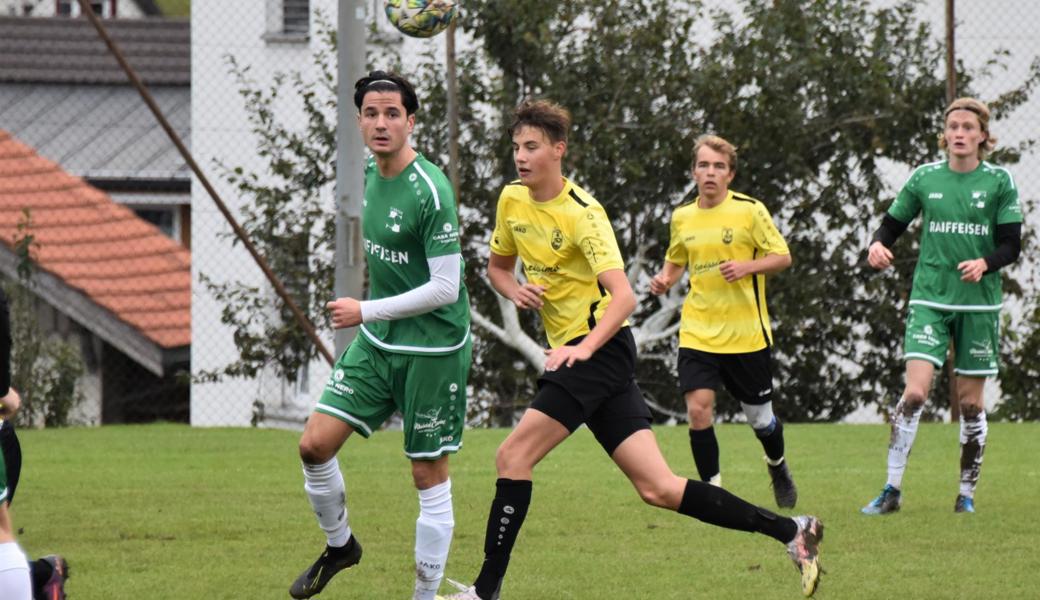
420	18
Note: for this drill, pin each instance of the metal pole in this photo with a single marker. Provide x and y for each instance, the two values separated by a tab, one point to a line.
350	160
951	95
951	56
301	318
453	114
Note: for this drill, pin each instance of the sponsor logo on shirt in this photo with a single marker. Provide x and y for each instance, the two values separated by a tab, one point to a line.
386	254
959	228
541	268
983	349
447	234
935	196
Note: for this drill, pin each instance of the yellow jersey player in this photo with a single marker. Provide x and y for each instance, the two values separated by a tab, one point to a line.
728	242
575	279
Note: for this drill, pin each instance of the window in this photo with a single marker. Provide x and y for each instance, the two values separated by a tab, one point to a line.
163	217
288	21
296	16
106	9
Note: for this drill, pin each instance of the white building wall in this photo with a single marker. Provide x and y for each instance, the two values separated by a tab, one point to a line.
220	132
125	9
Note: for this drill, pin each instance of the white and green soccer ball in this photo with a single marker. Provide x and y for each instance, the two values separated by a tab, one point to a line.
420	18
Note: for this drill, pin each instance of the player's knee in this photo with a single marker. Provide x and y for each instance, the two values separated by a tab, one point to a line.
913	398
313	452
655	493
510	461
970	410
700	415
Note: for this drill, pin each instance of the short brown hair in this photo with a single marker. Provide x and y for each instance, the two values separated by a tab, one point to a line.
717	144
546	115
982	112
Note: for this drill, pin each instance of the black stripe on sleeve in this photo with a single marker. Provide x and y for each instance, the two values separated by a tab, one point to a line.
578	200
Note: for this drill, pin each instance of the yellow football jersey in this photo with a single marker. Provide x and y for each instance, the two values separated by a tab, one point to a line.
564	244
719	316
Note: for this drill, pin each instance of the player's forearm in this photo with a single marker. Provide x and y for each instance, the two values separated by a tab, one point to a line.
442	289
770	263
889	231
671	272
1009	246
504	281
622	303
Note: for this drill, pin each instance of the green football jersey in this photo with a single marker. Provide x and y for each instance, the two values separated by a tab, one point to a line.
959	214
406	220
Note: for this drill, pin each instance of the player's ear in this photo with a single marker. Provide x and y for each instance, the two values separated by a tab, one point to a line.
411	122
559	149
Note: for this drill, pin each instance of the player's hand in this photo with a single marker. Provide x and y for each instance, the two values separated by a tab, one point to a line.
10	404
565	355
346	312
972	270
732	270
529	295
878	256
660	284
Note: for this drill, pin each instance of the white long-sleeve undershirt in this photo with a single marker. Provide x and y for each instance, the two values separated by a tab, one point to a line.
442	289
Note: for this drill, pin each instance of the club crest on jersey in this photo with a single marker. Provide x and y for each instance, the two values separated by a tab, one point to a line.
979	198
557	239
395	217
727	235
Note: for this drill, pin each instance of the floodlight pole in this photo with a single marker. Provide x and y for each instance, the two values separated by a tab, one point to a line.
453	113
350	160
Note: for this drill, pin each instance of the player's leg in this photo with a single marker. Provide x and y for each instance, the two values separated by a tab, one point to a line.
356	398
749	377
14	570
927	338
432	391
48	574
698	380
977	337
435	525
534	437
639	457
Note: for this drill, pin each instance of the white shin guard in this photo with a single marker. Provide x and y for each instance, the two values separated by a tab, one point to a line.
433	532
973	444
14	573
904	430
327	493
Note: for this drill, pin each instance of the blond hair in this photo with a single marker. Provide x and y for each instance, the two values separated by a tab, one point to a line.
717	144
982	112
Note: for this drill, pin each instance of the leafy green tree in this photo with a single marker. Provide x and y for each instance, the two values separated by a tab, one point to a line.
825	99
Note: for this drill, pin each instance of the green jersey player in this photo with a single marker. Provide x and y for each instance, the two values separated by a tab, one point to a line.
971	226
413	350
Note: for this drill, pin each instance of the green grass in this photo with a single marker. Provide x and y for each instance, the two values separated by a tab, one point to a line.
166	511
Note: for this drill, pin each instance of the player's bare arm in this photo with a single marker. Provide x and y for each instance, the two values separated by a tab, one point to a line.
622	303
734	270
663	281
523	295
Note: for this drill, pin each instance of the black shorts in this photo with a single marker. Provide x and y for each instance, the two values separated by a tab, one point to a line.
600	392
747	375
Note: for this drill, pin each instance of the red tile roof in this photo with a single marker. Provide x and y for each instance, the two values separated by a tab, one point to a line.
121	262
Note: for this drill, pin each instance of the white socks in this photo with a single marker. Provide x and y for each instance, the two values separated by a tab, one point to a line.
433	531
328	496
904	430
973	443
14	573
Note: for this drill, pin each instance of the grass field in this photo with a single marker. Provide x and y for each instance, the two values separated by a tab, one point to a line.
170	512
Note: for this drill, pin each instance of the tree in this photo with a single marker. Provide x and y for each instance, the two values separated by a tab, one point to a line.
824	100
